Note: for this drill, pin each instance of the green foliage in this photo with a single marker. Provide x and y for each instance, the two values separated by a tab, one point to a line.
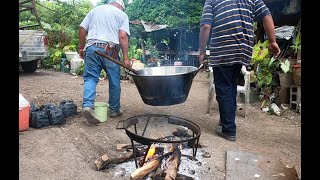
64	17
136	30
150	46
264	78
27	23
297	42
260	52
80	70
175	13
255	26
285	66
70	48
134	52
55	55
47	63
57	67
267	65
134	41
59	36
297	38
64	12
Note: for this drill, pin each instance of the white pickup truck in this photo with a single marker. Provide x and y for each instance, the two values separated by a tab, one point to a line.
32	47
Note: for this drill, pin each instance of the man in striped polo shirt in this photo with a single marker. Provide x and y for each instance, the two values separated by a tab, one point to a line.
230	23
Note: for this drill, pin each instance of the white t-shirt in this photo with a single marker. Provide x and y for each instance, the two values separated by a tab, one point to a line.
103	24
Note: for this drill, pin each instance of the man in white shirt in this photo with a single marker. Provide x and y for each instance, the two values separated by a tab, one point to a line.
107	30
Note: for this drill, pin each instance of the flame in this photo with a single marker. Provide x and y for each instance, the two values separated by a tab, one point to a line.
151	152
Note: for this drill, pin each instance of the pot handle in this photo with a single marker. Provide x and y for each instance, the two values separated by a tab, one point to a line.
121	121
115	61
196	72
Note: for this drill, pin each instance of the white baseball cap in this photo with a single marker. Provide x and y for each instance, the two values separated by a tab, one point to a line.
119	2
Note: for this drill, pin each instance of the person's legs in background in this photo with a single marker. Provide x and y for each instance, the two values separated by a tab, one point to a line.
91	74
225	80
113	73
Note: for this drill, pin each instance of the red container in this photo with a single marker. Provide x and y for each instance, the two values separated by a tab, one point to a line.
24	113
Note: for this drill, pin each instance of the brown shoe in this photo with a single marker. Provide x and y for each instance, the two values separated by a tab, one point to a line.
90	115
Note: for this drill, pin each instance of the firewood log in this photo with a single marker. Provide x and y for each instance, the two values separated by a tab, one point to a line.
158	174
104	160
173	165
145	170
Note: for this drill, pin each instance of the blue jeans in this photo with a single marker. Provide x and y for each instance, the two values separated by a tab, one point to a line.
226	80
93	65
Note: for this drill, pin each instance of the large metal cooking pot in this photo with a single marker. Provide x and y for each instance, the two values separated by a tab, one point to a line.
164	85
161	86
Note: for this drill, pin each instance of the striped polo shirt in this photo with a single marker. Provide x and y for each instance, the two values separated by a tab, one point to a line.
232	29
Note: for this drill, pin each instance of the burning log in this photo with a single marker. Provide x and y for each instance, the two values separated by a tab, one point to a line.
173	164
158	174
104	160
146	169
153	164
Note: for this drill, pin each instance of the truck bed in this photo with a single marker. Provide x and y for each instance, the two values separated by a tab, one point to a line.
31	45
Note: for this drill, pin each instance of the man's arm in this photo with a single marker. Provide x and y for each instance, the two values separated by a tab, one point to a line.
123	40
82	40
270	31
203	39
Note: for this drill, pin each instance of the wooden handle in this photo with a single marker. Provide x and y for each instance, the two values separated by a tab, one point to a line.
116	61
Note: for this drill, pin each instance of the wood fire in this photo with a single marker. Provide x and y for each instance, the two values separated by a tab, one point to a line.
165	164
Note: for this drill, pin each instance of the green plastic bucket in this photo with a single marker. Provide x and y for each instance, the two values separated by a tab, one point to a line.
101	110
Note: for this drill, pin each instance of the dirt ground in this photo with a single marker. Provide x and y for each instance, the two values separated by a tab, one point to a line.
69	151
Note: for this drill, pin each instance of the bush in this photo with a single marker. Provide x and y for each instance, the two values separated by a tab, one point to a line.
60	36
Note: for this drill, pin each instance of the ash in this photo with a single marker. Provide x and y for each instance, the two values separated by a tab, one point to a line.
192	168
125	169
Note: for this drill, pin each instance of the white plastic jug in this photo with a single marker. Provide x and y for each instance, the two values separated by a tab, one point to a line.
75	63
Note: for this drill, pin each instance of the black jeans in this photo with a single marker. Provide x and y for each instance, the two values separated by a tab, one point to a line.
226	80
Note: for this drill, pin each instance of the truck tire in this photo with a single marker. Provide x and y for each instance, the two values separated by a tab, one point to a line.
30	66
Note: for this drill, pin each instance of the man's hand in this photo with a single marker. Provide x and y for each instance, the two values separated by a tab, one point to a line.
127	62
202	57
274	49
81	54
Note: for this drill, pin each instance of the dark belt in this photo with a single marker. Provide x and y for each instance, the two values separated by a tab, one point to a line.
109	47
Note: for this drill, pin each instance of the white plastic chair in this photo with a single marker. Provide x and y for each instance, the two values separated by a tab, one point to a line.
240	89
